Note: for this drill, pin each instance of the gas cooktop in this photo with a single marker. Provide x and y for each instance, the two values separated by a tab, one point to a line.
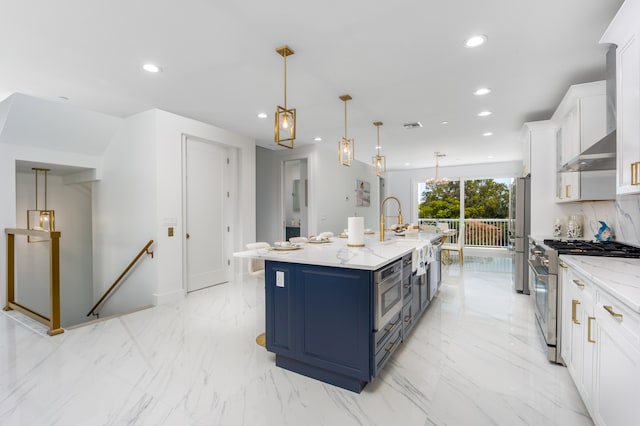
593	248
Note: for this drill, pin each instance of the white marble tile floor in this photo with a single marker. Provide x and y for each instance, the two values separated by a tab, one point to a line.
475	358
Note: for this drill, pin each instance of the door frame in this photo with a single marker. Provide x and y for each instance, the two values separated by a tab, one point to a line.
232	205
311	210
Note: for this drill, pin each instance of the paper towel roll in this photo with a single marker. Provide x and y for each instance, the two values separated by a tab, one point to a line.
355	231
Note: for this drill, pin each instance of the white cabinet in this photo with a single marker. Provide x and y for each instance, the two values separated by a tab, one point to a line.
581	118
601	347
578	343
624	31
618	363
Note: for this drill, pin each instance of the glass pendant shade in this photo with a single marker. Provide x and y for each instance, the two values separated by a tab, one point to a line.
285	127
346	146
285	119
40	219
378	162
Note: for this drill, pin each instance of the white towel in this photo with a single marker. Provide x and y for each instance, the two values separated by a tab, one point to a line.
429	255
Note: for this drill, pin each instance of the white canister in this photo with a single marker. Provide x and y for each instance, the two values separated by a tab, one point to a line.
355	231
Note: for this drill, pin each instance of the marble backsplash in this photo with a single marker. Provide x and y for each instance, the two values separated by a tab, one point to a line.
622	216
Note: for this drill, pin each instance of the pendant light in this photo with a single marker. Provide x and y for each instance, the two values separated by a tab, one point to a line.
285	125
437	180
346	146
379	162
40	220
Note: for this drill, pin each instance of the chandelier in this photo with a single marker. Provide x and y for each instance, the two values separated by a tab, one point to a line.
346	146
285	125
437	180
379	162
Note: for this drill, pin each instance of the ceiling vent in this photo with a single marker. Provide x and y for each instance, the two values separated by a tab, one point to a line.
413	125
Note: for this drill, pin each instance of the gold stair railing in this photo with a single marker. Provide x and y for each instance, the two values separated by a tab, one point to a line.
105	296
54	277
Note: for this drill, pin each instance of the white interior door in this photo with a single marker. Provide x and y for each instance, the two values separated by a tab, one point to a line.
206	179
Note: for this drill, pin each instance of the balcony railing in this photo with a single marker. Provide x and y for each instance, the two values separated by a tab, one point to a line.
492	233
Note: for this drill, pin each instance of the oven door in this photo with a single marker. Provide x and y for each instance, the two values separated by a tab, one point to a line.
544	292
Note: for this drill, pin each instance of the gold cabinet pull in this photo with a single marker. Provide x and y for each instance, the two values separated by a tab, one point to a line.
613	313
578	283
635	168
567	191
562	265
188	236
390	347
574	303
407	318
589	339
393	325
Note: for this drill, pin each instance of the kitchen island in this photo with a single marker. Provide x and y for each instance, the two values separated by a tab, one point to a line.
337	313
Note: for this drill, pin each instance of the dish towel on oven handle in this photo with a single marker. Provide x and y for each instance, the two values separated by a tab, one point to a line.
421	256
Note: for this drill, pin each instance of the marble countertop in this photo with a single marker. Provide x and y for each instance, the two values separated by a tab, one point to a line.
618	276
374	255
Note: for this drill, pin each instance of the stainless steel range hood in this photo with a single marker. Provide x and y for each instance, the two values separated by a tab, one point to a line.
602	154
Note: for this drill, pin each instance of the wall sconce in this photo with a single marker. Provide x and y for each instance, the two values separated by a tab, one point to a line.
40	220
379	162
285	125
346	146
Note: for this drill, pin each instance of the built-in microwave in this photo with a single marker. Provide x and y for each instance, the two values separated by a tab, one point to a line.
387	293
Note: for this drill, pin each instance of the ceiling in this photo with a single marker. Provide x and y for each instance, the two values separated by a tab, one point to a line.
401	61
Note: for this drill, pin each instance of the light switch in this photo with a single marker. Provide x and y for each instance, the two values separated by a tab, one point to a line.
279	278
170	231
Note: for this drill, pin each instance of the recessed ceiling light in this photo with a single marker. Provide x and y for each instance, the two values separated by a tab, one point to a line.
262	115
476	40
490	157
484	113
407	164
151	68
487	134
444	122
482	91
318	139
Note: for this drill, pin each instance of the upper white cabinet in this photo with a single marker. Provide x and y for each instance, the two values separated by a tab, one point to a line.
624	31
581	119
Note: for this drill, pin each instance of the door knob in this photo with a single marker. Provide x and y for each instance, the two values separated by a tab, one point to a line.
188	236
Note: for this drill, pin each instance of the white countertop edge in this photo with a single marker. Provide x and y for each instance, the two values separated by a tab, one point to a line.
336	254
619	277
282	256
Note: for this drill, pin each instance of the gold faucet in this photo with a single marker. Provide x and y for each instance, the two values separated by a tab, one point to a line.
382	217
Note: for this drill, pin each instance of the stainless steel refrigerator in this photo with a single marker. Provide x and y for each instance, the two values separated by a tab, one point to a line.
519	229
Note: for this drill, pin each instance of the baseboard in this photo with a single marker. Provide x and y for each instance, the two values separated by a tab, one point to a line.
168	297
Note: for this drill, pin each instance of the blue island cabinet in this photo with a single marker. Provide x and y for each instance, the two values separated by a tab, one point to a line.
319	322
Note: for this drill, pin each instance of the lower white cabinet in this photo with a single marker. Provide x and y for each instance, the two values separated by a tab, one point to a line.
578	347
601	348
618	364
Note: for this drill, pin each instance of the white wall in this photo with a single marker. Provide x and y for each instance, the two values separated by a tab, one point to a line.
404	183
335	187
72	206
141	196
331	191
169	131
9	154
124	212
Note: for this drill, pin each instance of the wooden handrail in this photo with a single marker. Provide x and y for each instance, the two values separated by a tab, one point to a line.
117	281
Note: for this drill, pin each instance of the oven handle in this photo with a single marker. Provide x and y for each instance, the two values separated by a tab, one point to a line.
542	277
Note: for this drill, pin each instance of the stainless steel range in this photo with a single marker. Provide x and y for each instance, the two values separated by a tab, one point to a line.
543	280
